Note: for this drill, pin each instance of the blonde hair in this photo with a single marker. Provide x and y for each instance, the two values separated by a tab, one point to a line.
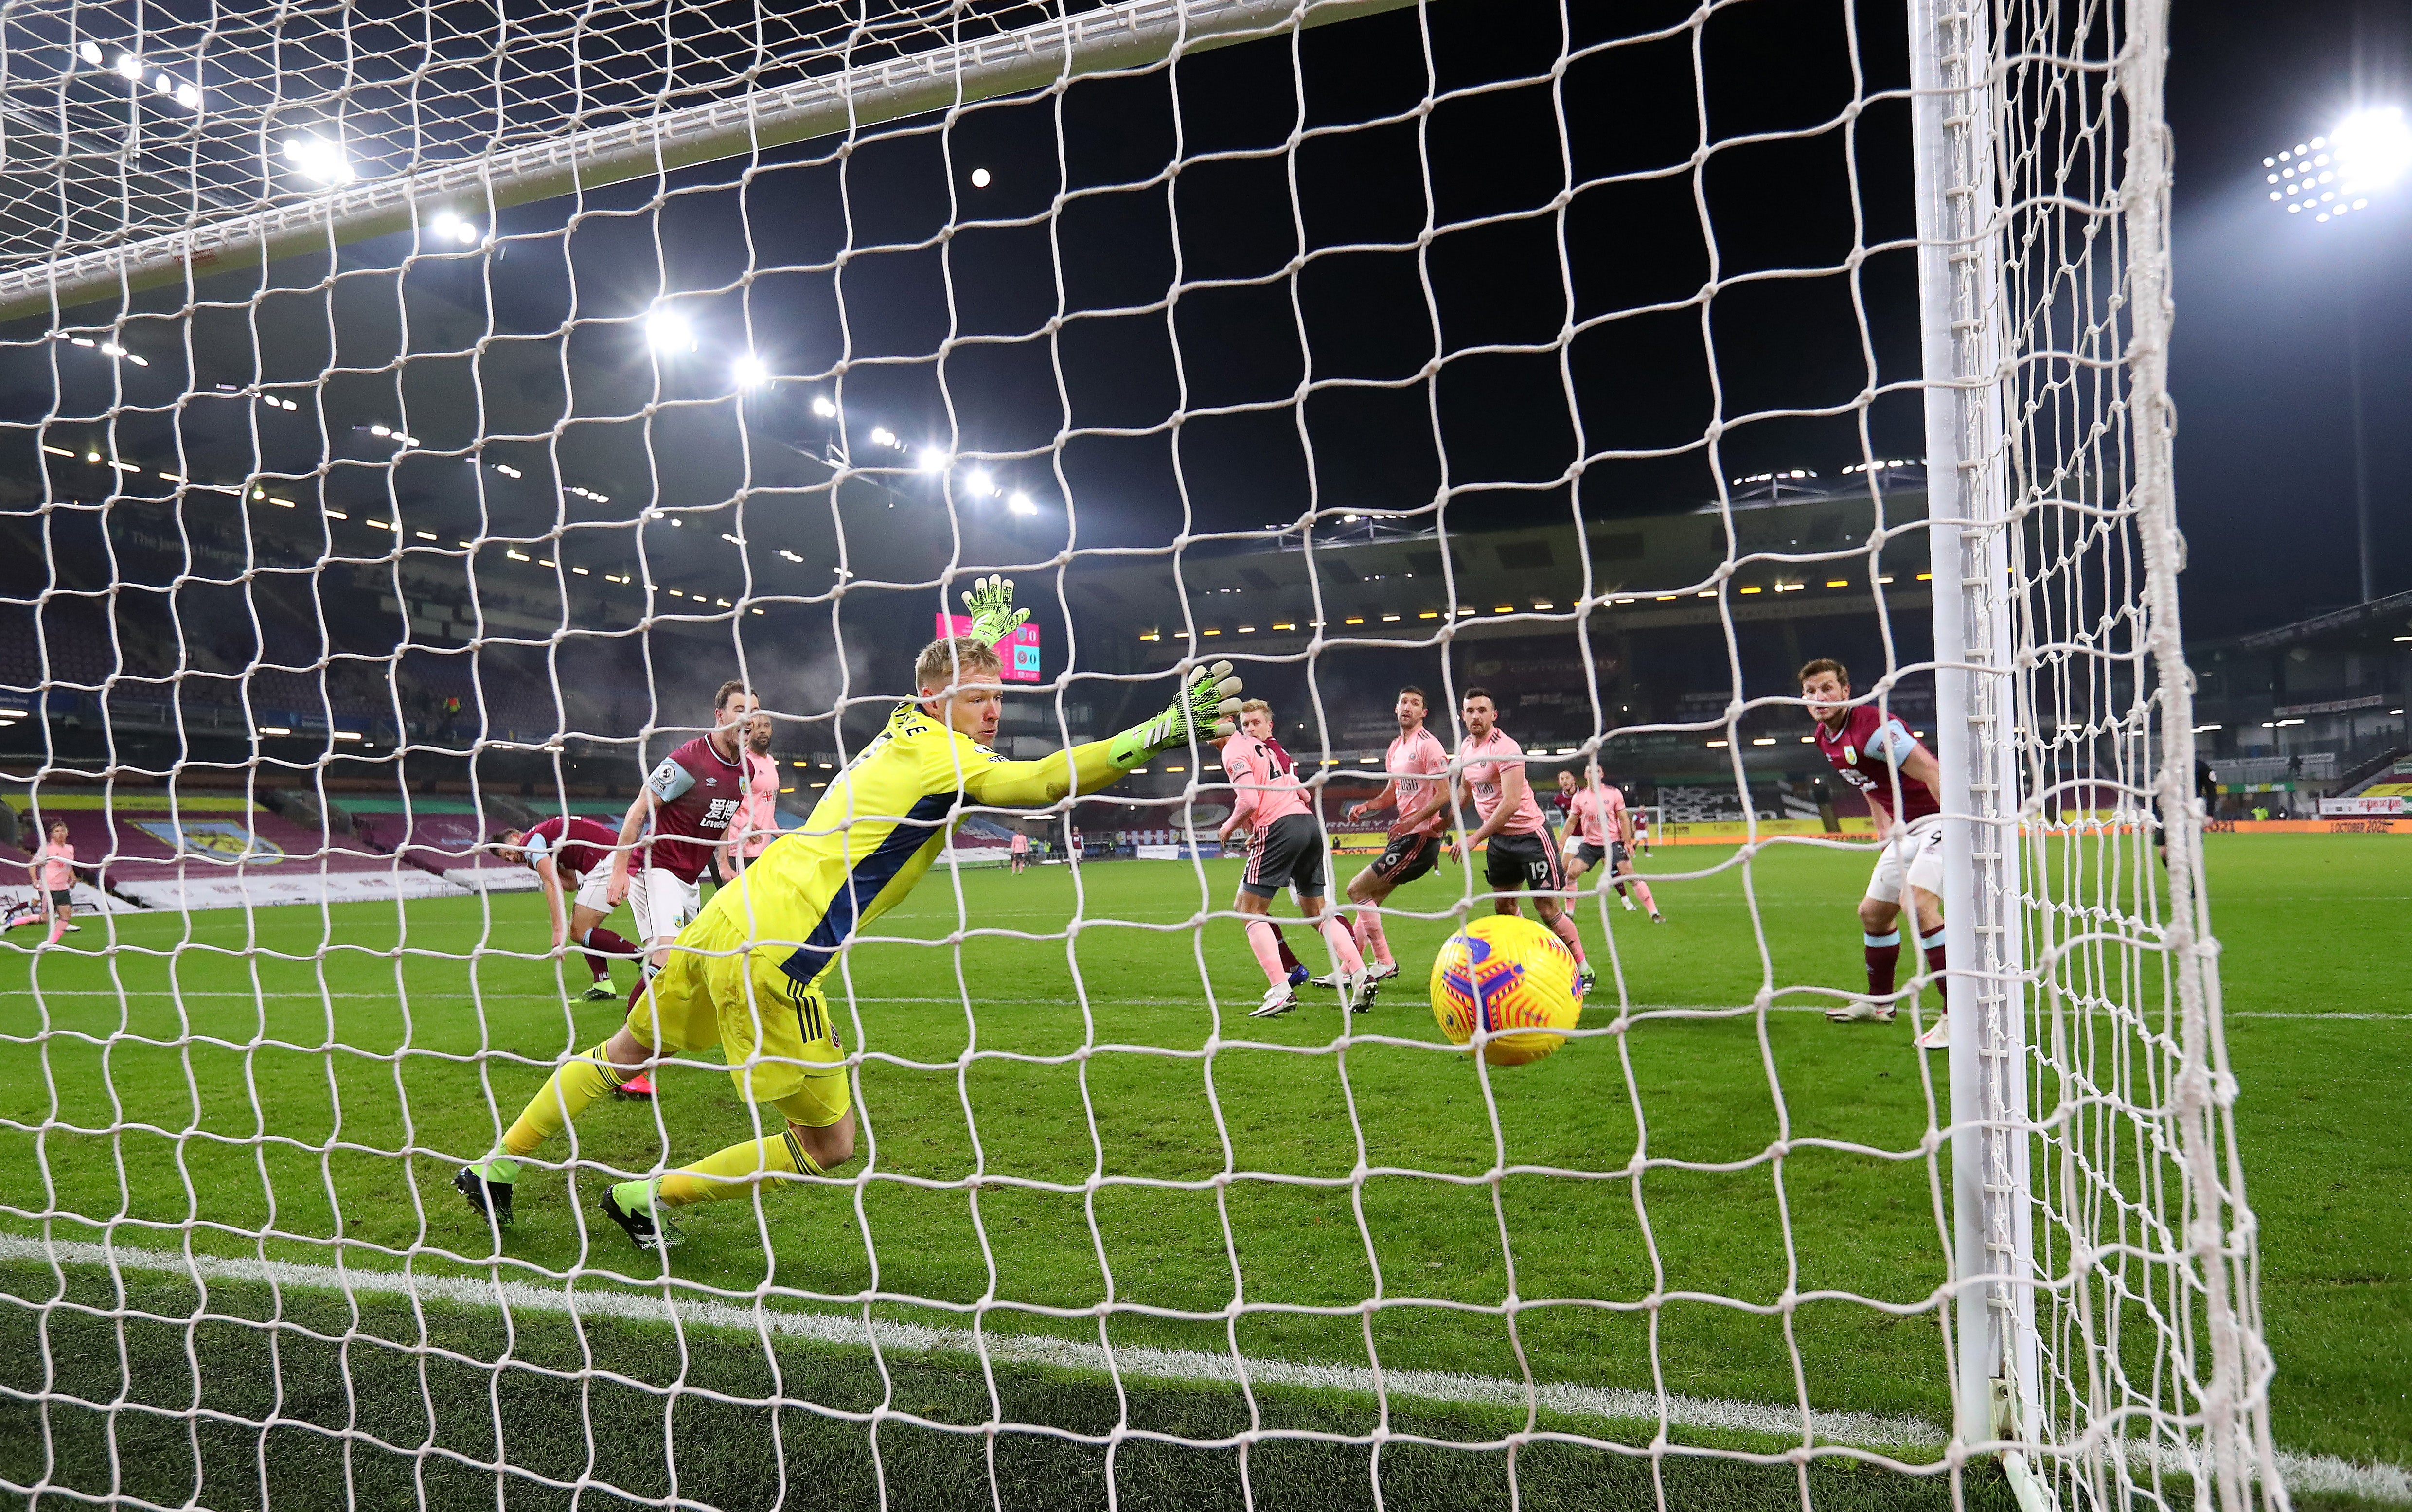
1254	705
948	660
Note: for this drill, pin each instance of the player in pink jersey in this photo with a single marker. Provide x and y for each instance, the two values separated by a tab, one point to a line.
682	816
53	873
1417	766
1874	752
1599	828
1519	853
1285	849
1017	852
573	856
1562	805
757	821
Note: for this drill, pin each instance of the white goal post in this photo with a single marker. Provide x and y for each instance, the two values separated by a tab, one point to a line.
2011	140
2099	1298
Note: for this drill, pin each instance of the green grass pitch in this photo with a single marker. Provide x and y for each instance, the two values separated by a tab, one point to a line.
252	1080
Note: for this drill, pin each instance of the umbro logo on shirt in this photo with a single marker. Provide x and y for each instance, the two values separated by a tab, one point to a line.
711	782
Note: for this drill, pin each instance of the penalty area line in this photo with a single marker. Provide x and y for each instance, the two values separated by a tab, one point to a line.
2325	1473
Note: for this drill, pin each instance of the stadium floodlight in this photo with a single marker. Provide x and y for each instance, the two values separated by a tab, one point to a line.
130	67
2373	148
982	484
1021	504
824	406
933	460
666	331
89	51
190	98
886	437
319	160
448	226
2328	178
979	178
749	372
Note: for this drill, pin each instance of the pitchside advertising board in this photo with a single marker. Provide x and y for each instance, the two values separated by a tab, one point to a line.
1019	650
2366	806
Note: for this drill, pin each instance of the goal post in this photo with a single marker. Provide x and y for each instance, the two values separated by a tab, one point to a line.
1953	68
2041	168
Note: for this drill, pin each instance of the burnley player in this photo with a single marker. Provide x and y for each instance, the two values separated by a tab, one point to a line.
573	856
1285	850
1874	752
747	976
1417	765
682	816
1519	853
1599	828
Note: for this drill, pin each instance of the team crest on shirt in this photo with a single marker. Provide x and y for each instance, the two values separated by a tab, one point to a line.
1850	757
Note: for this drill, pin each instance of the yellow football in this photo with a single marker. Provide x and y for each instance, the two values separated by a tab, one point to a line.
1505	972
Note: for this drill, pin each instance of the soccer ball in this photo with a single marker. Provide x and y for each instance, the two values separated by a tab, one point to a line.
1506	971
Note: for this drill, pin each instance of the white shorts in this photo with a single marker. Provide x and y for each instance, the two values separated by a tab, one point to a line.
662	902
595	890
1913	855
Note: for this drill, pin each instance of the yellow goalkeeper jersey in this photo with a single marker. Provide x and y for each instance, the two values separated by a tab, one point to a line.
876	831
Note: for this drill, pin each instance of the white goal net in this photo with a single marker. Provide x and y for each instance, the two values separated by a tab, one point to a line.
421	418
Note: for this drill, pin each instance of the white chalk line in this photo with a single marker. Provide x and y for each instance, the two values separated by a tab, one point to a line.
1730	1009
2301	1472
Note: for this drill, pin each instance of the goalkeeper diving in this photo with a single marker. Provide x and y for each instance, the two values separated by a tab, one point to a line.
747	974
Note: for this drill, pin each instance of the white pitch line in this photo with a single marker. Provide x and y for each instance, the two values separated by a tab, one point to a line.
1736	1010
1183	1365
2302	1472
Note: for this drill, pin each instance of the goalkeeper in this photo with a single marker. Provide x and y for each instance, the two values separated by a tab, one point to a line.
746	976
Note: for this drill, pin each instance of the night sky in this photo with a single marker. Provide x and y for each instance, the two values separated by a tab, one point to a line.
1320	354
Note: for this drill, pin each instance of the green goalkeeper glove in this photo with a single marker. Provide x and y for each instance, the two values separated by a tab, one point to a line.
994	616
1208	708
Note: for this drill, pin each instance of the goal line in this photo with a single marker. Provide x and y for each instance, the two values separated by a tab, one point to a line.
1873	1432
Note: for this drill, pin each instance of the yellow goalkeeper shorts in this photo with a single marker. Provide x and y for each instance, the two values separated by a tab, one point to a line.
780	1045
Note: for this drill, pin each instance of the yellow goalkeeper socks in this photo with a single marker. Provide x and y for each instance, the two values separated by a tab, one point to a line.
566	1094
734	1171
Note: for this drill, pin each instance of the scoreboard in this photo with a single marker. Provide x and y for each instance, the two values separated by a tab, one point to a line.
1019	650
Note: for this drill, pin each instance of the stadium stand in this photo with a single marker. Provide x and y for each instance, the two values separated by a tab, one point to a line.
219	852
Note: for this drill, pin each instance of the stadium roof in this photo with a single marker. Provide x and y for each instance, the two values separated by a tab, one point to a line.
2391	614
1369	577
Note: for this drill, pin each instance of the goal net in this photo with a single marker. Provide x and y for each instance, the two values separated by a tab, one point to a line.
423	420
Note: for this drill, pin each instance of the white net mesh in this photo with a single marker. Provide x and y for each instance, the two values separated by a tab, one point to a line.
598	358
